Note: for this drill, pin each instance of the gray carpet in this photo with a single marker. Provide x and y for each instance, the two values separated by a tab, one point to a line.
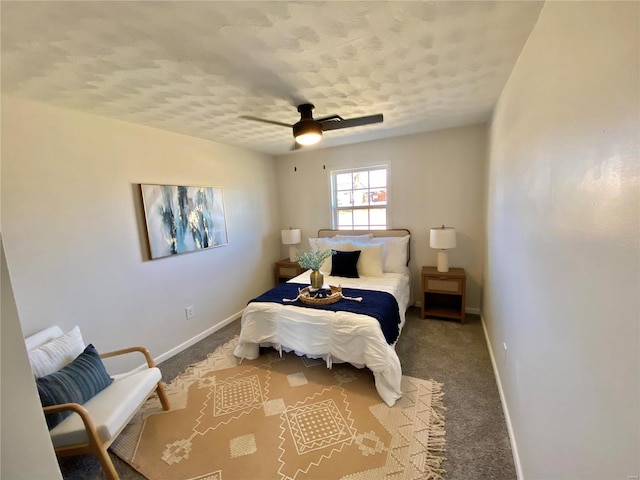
456	355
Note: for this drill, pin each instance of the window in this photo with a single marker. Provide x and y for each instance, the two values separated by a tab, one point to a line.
359	199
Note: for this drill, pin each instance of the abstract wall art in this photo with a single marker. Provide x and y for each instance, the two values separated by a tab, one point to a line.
183	219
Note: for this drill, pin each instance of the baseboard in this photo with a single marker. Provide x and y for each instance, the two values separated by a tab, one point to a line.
472	310
503	401
197	338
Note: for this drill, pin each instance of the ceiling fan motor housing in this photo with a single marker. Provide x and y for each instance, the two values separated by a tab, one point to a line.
305	127
307	130
305	111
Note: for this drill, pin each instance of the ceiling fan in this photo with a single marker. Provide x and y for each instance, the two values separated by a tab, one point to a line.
308	131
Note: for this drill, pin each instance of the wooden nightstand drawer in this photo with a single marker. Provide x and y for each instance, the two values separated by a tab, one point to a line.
287	272
450	285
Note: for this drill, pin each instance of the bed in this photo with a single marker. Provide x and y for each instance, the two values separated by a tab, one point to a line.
340	336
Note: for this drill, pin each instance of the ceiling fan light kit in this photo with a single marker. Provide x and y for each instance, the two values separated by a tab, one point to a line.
308	131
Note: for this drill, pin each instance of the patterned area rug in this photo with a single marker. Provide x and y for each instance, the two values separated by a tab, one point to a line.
287	418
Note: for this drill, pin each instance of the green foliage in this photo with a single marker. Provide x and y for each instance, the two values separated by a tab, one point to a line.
313	259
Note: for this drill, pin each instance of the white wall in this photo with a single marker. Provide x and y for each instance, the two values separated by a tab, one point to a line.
562	276
26	450
74	231
434	178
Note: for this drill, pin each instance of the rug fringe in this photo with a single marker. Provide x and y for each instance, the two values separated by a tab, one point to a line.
436	431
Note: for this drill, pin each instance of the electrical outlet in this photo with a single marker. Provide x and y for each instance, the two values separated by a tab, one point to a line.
189	312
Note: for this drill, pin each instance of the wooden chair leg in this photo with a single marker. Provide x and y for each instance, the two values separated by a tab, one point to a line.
106	463
163	396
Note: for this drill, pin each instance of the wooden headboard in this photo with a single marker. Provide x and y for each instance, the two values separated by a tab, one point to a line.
394	232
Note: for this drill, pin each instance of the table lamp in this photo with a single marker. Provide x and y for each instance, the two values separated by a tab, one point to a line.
442	238
291	237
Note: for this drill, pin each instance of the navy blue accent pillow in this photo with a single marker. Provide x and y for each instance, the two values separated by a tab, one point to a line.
77	382
343	264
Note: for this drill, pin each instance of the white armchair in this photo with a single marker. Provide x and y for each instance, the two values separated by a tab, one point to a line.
94	425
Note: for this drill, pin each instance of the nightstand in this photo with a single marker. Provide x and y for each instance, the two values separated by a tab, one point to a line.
286	270
443	293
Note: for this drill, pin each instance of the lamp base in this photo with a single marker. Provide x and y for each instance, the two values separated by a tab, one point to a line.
293	251
443	261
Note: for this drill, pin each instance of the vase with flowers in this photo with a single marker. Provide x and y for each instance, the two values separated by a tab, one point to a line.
313	260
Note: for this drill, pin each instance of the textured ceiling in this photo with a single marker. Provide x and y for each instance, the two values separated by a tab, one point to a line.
195	67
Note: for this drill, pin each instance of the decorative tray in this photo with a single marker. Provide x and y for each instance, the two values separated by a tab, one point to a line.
321	296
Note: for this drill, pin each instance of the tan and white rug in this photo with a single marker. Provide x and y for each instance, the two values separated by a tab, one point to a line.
285	418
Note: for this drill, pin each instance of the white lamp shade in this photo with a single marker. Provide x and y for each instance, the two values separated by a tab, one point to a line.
442	237
291	236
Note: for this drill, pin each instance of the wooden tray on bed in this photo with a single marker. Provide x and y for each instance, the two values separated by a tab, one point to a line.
311	297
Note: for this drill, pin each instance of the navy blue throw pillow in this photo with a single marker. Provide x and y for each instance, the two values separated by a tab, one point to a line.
77	382
343	264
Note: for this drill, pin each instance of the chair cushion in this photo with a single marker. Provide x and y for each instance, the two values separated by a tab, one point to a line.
111	409
78	382
50	356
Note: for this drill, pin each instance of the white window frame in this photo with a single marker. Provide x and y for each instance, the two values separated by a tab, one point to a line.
334	201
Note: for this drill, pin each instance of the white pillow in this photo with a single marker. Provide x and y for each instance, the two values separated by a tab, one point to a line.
370	260
355	238
394	257
394	253
329	244
326	243
57	353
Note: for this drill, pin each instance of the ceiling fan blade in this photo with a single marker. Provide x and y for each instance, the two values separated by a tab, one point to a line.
352	122
330	117
273	122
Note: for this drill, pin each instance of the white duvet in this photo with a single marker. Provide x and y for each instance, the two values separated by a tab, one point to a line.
334	336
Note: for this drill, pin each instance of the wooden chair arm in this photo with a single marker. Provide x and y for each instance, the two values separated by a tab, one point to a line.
80	410
159	389
124	351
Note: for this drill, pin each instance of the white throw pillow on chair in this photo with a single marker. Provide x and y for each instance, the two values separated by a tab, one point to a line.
57	353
